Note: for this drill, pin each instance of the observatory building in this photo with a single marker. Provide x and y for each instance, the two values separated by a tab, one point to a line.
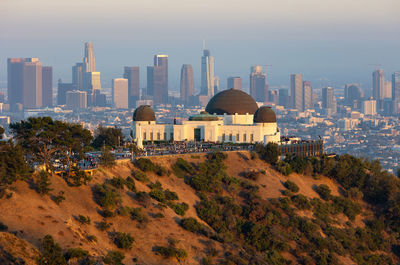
230	116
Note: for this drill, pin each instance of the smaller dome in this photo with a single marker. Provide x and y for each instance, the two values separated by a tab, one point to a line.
144	113
264	115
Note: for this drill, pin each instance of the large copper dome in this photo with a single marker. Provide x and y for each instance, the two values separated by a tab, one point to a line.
144	113
232	101
264	115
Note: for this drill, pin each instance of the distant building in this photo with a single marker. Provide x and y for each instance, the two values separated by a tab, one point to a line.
187	85
234	82
120	92
307	95
157	80
378	85
258	84
77	75
296	91
207	74
216	85
47	86
284	98
92	81
387	91
368	107
133	75
396	92
329	100
62	90
352	95
76	100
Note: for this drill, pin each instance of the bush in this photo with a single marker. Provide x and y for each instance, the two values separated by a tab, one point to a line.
180	208
182	168
138	215
117	182
157	194
140	176
106	213
130	184
145	165
324	191
171	195
84	220
193	226
59	198
253	175
77	253
3	227
78	177
51	252
42	185
91	238
290	185
103	226
114	258
123	240
301	202
284	168
106	196
171	252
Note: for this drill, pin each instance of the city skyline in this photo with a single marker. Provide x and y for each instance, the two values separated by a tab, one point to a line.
293	37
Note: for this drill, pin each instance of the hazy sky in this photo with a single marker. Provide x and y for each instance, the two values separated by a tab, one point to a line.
332	42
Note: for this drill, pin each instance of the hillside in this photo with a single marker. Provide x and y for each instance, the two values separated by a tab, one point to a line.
79	220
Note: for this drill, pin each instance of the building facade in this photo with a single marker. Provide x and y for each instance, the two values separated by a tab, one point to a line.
47	86
296	91
258	84
132	73
234	82
396	92
207	74
187	85
120	93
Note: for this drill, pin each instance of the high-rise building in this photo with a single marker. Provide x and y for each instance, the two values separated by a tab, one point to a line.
216	84
77	75
15	81
387	90
258	84
284	98
76	100
92	81
90	78
234	82
296	91
133	75
187	84
157	79
47	86
120	92
62	90
378	85
352	95
207	74
307	95
396	92
89	63
329	100
368	107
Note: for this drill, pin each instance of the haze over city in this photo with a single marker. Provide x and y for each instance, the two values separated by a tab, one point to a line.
330	42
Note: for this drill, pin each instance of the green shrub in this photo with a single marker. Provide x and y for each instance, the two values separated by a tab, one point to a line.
171	252
180	208
192	225
117	182
59	198
170	195
78	177
301	202
130	184
51	252
106	213
324	191
157	194
114	258
106	196
103	226
91	238
290	185
77	253
3	227
140	176
145	165
253	175
182	168
84	220
42	185
284	168
123	240
138	215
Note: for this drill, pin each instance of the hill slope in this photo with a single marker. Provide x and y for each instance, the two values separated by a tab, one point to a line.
31	216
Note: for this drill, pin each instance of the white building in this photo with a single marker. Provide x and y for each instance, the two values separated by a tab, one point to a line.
231	116
369	107
120	94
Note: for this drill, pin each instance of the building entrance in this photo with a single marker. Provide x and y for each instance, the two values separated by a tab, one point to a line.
197	134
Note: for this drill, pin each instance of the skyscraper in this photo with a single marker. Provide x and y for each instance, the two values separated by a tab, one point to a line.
187	84
89	74
216	84
62	90
89	63
352	95
396	92
307	95
132	74
157	79
296	91
234	82
329	100
120	92
47	86
207	74
258	84
77	75
25	82
378	85
76	100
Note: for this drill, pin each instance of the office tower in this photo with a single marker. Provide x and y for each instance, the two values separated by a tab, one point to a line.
76	100
92	81
216	84
89	63
132	74
296	91
273	96
15	81
284	98
368	107
307	95
120	93
328	100
98	99
352	95
258	84
187	84
234	82
2	97
47	86
378	84
207	74
77	75
90	78
157	79
387	90
396	92
62	90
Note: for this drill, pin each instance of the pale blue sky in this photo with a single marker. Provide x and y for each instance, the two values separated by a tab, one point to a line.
336	40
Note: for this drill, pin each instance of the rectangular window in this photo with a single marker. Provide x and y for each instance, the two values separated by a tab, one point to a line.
251	138
165	136
223	137
172	136
158	136
144	136
151	136
237	137
244	137
230	137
